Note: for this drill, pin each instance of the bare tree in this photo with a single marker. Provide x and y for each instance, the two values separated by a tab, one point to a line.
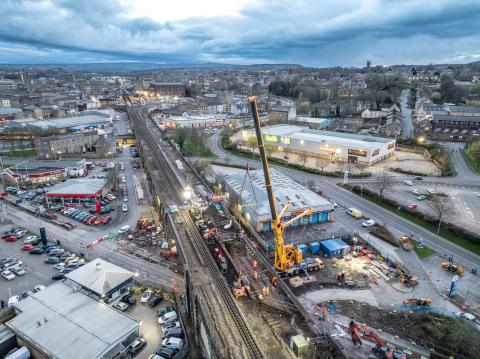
321	163
362	167
303	157
252	144
383	181
442	206
270	149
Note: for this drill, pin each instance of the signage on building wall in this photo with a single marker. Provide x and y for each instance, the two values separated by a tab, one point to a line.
361	153
375	152
271	138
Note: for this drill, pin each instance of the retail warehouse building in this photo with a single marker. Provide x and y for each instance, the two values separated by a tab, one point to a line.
334	146
248	190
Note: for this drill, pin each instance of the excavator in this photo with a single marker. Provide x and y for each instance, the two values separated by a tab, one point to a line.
288	259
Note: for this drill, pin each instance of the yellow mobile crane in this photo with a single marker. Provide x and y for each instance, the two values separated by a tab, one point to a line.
288	259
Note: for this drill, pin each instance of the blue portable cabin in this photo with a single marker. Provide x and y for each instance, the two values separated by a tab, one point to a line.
334	247
303	248
314	247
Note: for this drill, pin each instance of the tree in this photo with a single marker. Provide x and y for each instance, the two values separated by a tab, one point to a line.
449	91
382	182
252	144
362	166
321	163
269	149
303	157
304	107
442	206
201	165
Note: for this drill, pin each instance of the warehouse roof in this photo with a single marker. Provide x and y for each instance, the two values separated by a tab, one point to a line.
59	123
304	133
65	323
284	188
78	187
100	276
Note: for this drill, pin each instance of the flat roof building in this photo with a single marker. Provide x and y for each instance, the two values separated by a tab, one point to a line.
339	146
249	191
63	321
86	188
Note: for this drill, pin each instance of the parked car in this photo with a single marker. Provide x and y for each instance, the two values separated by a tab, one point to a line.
421	197
130	299
18	270
412	206
408	183
415	191
137	345
173	332
52	260
154	300
59	265
98	221
8	275
173	343
418	178
171	325
162	352
13	300
27	247
431	190
165	310
121	306
11	238
106	219
124	207
146	296
36	251
168	317
58	276
27	293
124	229
31	240
38	288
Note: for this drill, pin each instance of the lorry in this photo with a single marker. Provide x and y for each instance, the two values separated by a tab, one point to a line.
405	242
306	265
454	268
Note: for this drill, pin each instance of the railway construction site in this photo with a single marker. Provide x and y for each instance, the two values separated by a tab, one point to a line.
246	301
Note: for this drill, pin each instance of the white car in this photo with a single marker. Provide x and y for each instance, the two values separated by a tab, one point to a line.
121	306
146	296
124	180
368	223
59	266
38	288
13	300
408	183
30	239
122	166
124	207
431	190
18	270
125	199
124	229
20	233
6	274
415	191
465	316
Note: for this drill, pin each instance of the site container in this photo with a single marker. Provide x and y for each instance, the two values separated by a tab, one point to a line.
299	345
314	247
303	248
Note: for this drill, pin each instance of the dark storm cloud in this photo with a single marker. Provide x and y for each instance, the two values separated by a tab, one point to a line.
322	33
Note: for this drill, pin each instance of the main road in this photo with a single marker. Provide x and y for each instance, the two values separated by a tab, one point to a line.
348	199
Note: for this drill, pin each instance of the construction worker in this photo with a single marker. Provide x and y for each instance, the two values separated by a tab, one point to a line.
324	313
274	281
352	328
254	264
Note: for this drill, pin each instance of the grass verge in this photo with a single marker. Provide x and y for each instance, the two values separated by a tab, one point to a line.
20	153
422	252
415	218
473	164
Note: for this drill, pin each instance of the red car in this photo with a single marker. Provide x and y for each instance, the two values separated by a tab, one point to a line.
106	220
11	239
27	247
91	220
6	235
413	206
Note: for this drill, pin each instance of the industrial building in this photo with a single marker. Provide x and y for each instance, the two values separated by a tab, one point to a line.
77	189
67	320
168	88
334	146
249	192
189	121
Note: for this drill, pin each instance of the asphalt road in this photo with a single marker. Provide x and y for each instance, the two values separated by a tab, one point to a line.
348	199
407	124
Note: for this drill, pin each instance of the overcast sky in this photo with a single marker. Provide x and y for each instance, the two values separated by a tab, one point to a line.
313	33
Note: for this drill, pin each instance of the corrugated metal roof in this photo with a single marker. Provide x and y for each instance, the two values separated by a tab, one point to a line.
64	323
78	186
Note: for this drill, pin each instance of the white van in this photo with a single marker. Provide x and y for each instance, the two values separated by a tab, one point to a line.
21	353
173	343
168	317
354	212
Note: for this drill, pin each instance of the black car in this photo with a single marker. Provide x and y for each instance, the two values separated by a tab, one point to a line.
165	352
58	276
154	300
36	251
130	299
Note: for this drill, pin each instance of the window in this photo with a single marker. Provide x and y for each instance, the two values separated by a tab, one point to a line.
271	138
288	140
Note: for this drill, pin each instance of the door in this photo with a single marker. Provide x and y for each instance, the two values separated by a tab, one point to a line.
315	218
324	217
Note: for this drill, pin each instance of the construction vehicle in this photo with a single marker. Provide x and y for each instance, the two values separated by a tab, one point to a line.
288	259
454	268
409	280
241	288
405	242
418	301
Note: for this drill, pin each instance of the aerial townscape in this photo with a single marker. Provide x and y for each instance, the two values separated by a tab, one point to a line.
239	179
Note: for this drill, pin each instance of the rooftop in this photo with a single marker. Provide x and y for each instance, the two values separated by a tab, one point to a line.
59	123
84	186
100	276
65	323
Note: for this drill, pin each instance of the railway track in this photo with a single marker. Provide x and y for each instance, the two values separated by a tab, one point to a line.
173	186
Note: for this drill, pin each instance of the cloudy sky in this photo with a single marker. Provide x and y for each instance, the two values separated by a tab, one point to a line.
309	32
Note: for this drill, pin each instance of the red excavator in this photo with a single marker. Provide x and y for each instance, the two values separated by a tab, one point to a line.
381	350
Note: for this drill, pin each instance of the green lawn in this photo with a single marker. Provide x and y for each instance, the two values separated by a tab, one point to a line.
194	146
445	233
474	164
423	252
20	153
